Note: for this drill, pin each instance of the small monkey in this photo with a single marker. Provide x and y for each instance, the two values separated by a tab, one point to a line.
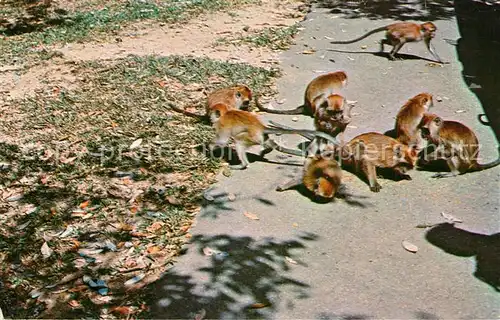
322	176
236	97
409	117
246	130
323	85
399	33
455	143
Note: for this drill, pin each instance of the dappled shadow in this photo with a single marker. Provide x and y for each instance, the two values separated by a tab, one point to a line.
478	50
462	243
241	278
421	10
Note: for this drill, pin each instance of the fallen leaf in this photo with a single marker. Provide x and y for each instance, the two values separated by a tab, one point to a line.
155	226
231	197
153	249
208	251
460	111
451	218
409	246
295	119
439	99
162	83
328	38
308	51
126	227
135	279
364	47
123	310
290	260
173	200
185	228
46	250
281	101
295	225
135	144
250	215
259	305
138	234
84	205
352	59
74	304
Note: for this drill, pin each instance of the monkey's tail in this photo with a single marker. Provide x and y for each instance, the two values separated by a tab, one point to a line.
479	167
185	112
362	37
302	133
298	110
277	125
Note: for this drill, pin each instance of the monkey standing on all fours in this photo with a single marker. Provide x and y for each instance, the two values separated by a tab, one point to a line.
236	97
246	130
324	86
455	143
399	33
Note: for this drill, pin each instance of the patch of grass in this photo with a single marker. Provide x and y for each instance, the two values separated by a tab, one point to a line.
82	25
275	38
84	188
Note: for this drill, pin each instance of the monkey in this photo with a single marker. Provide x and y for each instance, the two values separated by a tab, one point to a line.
246	130
399	33
375	150
323	85
236	97
322	176
456	143
409	117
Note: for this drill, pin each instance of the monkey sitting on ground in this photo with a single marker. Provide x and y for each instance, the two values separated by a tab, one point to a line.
399	33
455	143
322	176
323	85
409	118
246	130
236	97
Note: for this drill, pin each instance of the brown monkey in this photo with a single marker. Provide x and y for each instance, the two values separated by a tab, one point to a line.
399	33
331	116
455	143
236	97
372	150
323	85
322	176
408	120
246	130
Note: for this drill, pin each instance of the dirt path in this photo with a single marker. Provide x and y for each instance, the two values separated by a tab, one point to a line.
344	260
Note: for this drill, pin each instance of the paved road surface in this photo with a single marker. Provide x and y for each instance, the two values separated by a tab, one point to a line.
345	259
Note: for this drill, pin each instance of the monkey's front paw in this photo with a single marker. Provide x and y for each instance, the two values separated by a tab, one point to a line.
376	188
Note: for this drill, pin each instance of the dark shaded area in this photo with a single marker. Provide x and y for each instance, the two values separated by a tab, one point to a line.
32	15
420	10
242	271
462	243
478	50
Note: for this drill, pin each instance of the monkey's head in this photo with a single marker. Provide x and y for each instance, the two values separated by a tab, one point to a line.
331	108
430	126
218	111
324	188
424	99
242	96
429	29
341	77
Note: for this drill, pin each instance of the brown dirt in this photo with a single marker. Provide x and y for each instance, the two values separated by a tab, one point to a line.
194	38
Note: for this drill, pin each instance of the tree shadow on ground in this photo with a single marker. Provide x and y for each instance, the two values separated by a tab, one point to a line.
421	10
240	278
462	243
478	50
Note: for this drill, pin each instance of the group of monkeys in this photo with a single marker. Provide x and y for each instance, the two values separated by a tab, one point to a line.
416	130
